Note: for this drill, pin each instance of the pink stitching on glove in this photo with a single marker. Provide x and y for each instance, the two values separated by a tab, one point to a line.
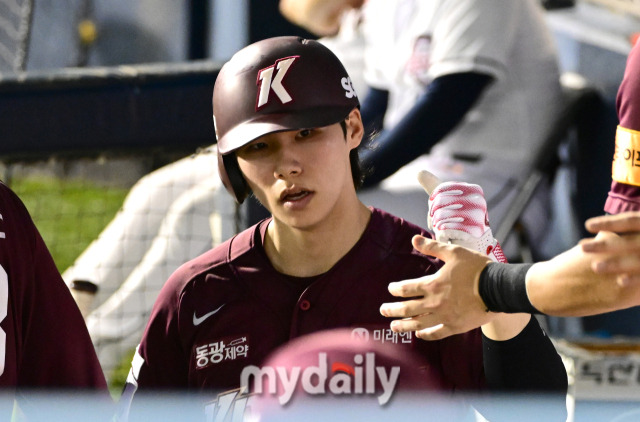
459	206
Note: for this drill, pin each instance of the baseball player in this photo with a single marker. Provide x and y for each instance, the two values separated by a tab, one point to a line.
43	339
288	128
599	275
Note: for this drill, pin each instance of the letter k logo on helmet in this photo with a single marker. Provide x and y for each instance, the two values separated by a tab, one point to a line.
267	82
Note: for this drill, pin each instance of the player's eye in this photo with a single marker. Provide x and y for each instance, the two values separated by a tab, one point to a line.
304	133
254	147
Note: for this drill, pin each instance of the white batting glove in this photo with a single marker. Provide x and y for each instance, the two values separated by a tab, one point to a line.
458	214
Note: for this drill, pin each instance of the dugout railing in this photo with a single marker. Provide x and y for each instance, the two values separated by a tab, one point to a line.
80	111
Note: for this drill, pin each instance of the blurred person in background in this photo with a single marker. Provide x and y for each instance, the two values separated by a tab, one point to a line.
169	216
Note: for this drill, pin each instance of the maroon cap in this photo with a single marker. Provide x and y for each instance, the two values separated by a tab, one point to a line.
278	84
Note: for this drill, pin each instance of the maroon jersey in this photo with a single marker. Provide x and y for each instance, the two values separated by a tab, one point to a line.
44	341
624	197
229	309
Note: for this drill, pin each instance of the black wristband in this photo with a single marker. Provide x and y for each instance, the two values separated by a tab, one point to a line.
503	288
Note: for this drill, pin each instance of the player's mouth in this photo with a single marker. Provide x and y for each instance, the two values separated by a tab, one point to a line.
295	196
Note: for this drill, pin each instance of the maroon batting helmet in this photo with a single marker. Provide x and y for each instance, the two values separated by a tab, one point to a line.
273	85
339	353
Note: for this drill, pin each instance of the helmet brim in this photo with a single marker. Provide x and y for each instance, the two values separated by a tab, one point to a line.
262	125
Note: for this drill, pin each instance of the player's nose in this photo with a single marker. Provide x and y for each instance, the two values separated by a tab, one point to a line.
288	161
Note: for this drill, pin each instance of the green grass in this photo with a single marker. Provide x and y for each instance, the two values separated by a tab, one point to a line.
68	213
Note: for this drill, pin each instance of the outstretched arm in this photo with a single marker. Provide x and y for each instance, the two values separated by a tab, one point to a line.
567	285
517	355
456	298
458	215
599	275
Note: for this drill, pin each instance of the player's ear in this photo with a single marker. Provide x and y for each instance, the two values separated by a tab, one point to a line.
355	128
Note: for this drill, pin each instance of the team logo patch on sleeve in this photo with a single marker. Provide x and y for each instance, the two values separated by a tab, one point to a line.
226	349
626	157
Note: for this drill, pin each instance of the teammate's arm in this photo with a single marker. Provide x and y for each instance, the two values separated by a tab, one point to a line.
517	355
457	298
458	214
431	118
567	285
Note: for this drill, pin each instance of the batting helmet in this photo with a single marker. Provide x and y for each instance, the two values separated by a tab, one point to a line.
273	85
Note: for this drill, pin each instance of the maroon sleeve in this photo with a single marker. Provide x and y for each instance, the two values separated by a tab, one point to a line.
623	197
46	342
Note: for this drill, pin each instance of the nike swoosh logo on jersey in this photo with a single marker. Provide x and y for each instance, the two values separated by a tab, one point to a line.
197	321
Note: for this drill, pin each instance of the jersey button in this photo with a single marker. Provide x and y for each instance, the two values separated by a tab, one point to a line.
305	305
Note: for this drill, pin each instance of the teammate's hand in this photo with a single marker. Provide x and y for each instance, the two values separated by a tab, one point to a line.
622	253
449	302
458	214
